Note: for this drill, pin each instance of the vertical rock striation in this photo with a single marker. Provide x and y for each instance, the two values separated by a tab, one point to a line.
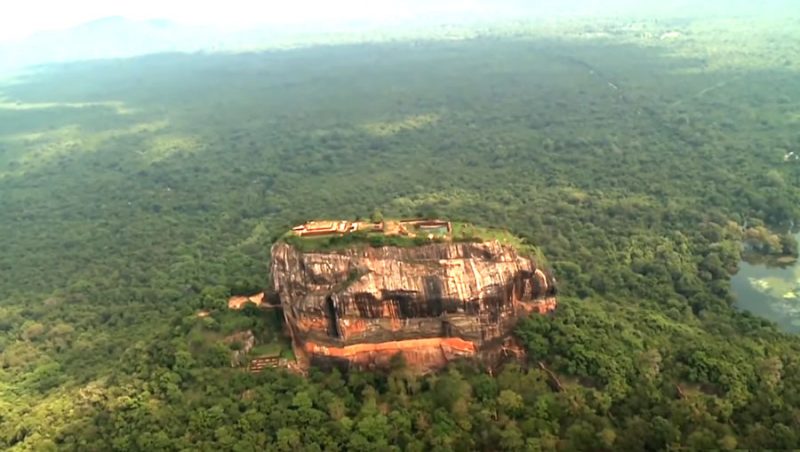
432	303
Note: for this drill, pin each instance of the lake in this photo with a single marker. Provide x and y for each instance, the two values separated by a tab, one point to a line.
770	292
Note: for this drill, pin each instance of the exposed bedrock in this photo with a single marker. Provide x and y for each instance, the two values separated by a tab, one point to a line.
433	303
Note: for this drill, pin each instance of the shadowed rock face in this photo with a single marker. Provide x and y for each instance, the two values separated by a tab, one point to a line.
361	306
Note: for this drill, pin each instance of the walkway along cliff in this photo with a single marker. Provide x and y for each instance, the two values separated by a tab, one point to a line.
360	306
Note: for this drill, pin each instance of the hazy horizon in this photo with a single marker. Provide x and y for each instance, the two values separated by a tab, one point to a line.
236	15
91	30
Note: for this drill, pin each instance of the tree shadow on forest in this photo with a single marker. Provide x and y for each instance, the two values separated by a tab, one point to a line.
279	88
309	110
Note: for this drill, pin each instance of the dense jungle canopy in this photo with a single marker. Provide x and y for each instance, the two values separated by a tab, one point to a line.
635	155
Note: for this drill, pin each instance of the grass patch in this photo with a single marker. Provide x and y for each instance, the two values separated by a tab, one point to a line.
461	232
338	242
268	349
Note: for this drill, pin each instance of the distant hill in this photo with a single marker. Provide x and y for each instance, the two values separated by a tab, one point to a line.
119	37
111	37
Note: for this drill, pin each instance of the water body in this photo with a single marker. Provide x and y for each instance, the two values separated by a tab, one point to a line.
770	292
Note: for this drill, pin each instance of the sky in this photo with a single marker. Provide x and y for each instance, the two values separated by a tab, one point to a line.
27	17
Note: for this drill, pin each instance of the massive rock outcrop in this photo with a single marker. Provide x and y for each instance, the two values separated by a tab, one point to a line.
360	306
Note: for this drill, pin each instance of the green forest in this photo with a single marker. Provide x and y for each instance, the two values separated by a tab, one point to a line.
638	157
460	232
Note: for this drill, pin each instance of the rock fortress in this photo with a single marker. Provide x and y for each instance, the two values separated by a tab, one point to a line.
355	294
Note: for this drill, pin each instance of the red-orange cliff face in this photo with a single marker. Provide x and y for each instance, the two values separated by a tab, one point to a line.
434	303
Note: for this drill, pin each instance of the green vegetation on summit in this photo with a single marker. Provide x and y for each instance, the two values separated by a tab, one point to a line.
638	156
461	232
